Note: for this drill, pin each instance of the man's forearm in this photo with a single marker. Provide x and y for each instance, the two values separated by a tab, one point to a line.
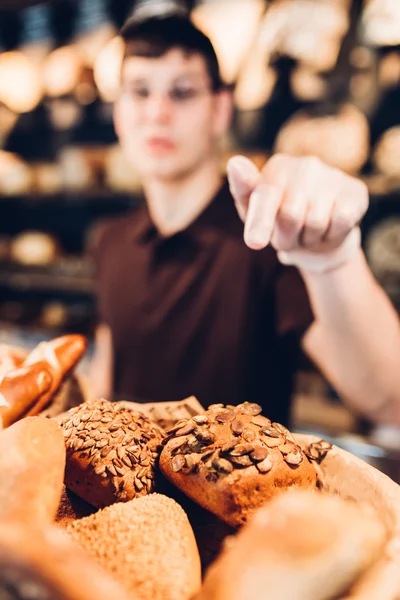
355	339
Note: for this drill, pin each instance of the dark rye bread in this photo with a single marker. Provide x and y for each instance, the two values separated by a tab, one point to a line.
231	460
112	452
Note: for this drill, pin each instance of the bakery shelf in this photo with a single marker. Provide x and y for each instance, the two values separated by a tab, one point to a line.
59	277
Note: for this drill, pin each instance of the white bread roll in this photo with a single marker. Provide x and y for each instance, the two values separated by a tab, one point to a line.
147	544
301	546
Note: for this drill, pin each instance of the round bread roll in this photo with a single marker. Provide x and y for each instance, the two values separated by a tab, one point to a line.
232	459
147	544
32	463
303	545
112	452
43	564
34	248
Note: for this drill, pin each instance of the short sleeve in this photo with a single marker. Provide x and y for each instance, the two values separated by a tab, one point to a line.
292	304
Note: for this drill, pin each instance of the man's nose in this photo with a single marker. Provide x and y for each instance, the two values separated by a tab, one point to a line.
158	108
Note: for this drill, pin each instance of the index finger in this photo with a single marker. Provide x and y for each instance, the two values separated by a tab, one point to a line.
243	177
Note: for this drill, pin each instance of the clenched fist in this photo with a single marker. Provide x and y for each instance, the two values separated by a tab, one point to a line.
307	210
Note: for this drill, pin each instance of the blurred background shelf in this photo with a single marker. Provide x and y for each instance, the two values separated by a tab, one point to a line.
315	77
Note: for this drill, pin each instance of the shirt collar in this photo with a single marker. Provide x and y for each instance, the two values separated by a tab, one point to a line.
216	213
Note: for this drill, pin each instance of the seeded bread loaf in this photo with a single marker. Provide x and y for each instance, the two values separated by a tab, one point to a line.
112	452
232	459
32	463
302	545
44	564
147	544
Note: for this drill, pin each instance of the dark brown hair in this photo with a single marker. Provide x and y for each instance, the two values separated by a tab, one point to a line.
155	36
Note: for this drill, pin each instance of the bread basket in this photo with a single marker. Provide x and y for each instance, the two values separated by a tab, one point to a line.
340	473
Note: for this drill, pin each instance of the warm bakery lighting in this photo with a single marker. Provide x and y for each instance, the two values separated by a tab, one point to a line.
256	79
90	44
93	29
255	85
231	25
381	22
20	87
307	84
61	71
107	69
386	154
340	140
312	31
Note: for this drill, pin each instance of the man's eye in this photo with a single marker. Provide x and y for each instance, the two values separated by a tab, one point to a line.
139	92
182	93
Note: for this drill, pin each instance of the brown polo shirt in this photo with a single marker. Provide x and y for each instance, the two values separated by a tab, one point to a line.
199	313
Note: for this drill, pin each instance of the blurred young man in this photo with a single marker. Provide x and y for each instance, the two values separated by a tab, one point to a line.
188	307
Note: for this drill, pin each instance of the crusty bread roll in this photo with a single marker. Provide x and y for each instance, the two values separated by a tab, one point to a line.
32	463
112	452
61	354
147	544
43	564
21	390
10	359
231	460
26	391
302	546
34	248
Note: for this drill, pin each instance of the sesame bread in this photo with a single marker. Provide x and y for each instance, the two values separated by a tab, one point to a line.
112	452
232	459
302	545
32	463
147	544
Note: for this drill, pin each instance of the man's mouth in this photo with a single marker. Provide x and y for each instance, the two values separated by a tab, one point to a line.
160	145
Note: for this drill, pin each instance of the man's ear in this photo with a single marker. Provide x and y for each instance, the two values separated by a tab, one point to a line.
223	111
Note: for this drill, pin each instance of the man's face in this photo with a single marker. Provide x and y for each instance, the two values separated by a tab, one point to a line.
167	118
